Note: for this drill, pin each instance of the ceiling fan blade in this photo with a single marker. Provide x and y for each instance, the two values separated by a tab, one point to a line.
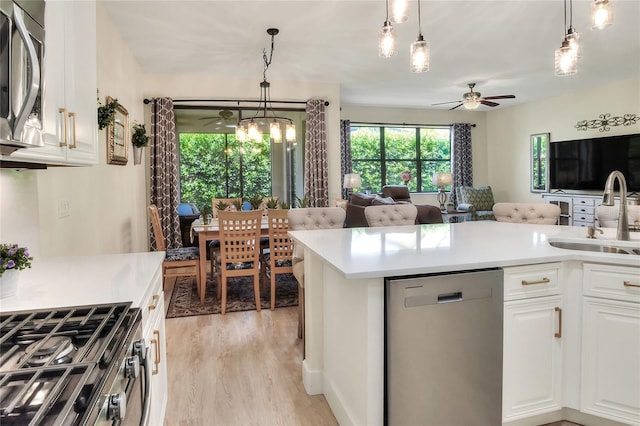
489	103
442	103
457	106
500	97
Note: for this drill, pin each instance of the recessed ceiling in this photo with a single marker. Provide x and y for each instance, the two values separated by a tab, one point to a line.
505	47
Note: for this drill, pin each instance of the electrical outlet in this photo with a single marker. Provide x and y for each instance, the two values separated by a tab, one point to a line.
64	208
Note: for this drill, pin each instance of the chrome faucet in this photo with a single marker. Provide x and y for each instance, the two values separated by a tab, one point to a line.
608	199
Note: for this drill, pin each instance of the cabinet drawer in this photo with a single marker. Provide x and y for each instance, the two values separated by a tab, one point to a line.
580	209
522	282
613	282
579	201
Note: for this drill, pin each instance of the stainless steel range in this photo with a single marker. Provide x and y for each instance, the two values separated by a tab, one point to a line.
73	366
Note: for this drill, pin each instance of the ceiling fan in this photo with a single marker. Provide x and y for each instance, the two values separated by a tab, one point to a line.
472	100
224	118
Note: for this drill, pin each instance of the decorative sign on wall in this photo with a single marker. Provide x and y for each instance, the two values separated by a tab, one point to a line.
604	122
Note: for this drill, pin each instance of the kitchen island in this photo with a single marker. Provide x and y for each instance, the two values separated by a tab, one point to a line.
344	296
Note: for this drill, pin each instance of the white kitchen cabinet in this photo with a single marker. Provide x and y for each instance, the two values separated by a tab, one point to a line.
154	336
611	343
70	85
532	341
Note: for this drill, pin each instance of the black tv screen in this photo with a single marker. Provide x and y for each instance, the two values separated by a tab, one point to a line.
585	164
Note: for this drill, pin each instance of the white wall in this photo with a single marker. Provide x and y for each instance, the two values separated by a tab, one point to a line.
108	203
508	131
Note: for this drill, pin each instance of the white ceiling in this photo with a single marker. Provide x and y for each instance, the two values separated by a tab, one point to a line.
506	47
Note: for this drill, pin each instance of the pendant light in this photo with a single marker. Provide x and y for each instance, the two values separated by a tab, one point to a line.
250	128
601	14
386	37
419	57
566	62
572	35
399	11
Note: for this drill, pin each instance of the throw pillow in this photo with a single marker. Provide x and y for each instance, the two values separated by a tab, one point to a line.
380	201
480	197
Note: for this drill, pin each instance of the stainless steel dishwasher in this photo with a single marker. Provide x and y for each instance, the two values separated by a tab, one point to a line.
443	349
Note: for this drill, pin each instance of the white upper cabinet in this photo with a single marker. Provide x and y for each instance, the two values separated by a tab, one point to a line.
70	84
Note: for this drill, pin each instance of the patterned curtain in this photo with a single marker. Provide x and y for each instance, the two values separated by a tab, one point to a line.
316	181
165	191
345	153
462	169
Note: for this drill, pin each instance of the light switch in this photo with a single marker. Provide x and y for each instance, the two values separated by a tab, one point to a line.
64	208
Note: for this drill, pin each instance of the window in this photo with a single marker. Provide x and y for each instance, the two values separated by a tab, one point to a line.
213	164
381	153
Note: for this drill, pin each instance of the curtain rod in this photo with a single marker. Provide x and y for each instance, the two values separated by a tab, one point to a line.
147	101
403	124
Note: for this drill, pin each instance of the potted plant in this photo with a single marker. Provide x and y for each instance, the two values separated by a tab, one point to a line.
255	201
139	139
205	211
107	112
272	203
13	258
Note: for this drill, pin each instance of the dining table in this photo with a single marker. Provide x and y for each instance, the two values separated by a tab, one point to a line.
211	232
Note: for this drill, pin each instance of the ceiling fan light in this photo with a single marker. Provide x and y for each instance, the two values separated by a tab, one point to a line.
566	62
386	40
471	103
274	132
290	133
601	14
399	11
419	58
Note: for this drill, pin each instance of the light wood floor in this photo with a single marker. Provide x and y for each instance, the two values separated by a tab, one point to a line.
243	368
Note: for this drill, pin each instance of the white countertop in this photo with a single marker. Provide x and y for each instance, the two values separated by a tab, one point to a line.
419	249
82	280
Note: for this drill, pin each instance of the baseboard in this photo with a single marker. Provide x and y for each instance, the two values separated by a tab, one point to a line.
339	411
312	379
569	414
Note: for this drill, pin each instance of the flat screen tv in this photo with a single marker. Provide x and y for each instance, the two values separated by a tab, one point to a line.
585	164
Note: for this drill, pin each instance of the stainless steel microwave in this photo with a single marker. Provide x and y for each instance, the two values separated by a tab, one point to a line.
21	54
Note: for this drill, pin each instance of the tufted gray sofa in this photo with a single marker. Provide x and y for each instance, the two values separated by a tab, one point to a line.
541	213
389	215
307	219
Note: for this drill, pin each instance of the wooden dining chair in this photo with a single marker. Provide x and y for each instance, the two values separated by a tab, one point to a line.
178	262
280	249
239	251
214	245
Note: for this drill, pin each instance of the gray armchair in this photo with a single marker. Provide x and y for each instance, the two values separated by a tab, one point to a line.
476	200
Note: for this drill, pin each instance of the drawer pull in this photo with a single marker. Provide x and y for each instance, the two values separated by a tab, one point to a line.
156	360
542	281
154	303
558	334
72	135
63	125
630	284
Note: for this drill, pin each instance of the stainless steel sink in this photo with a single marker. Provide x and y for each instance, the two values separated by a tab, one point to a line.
601	248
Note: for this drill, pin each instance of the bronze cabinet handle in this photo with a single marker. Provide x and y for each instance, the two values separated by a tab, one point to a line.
154	303
630	284
558	334
542	281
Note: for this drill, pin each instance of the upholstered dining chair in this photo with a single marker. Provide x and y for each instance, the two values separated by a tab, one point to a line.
310	218
280	249
540	213
239	251
178	262
391	214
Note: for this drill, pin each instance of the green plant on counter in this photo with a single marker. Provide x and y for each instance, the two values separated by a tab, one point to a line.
139	136
13	257
106	113
222	206
284	205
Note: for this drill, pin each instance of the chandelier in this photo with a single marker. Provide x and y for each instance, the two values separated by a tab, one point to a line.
251	129
567	55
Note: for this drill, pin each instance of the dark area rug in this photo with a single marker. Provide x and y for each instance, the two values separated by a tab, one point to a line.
186	302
